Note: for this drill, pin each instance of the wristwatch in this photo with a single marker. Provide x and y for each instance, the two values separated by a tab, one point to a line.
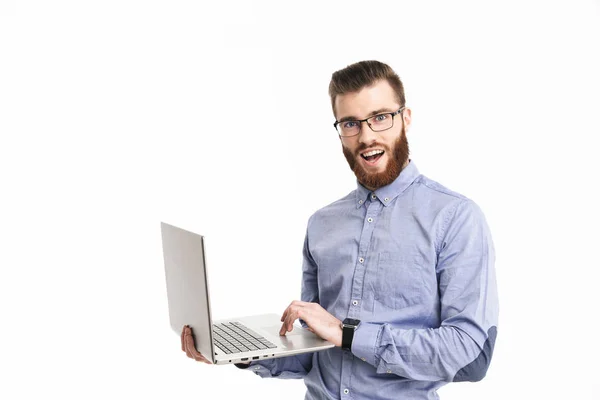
349	325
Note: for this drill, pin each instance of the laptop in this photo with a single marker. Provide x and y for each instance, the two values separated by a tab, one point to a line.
225	341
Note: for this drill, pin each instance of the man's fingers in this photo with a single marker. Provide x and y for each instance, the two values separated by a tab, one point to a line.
284	327
286	322
294	304
188	341
183	338
286	311
189	345
193	353
300	312
291	314
289	321
284	318
308	312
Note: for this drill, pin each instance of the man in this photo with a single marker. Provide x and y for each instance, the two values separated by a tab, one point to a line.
405	263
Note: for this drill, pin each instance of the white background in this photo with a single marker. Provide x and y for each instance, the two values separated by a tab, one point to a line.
116	115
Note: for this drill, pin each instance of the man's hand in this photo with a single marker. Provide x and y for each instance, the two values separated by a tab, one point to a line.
187	345
319	321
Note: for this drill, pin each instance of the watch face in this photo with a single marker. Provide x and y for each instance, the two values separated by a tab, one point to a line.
350	321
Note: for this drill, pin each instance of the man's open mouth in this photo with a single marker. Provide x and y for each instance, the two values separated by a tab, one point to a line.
372	156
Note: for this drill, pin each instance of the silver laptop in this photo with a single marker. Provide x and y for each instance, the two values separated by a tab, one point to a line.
227	341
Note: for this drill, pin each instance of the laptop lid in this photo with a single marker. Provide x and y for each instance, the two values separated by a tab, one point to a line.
187	285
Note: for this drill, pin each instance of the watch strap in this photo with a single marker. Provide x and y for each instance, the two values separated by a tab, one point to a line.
347	336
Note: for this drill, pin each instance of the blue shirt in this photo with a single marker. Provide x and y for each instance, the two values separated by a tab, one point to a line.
414	262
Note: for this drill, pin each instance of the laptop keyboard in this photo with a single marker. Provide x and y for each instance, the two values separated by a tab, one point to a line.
233	337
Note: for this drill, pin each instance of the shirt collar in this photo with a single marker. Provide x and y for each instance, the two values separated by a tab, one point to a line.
388	193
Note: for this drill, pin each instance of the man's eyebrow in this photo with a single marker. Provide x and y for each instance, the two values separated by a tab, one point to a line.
375	112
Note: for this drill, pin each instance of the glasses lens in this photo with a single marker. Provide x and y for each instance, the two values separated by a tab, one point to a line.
381	122
349	128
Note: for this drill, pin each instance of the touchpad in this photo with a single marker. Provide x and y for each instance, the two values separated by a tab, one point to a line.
274	330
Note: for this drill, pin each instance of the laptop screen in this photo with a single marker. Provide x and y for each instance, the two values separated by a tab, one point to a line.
187	285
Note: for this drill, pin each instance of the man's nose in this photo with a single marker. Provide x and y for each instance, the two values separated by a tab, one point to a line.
366	133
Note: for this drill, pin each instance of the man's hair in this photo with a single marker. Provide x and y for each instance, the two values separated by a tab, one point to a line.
359	75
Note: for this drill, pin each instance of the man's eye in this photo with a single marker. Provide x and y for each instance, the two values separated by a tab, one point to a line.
349	124
381	117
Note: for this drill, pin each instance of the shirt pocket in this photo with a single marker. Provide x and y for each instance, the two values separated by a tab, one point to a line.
399	280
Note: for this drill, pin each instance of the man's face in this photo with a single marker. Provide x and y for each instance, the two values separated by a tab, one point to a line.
381	170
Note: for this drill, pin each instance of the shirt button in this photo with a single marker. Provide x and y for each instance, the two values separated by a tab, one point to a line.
387	199
361	260
360	202
355	302
364	359
373	197
370	219
346	391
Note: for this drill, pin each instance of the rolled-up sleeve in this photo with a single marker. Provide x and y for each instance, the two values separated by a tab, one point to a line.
461	348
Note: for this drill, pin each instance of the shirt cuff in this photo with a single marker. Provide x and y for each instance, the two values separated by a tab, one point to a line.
365	342
261	368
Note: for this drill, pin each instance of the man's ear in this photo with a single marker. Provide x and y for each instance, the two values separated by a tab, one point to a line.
407	117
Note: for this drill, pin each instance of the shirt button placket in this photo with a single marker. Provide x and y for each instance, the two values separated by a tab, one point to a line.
372	210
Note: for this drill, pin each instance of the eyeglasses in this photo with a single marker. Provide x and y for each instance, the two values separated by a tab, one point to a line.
377	123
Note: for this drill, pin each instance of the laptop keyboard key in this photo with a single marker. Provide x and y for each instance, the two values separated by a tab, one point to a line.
236	338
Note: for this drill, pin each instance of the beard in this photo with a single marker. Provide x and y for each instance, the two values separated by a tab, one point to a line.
397	157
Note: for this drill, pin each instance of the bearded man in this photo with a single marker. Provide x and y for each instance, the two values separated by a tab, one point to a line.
398	274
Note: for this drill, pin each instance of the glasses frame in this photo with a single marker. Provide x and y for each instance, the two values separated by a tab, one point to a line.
360	122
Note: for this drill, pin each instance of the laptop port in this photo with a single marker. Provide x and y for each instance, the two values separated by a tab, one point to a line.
245	359
255	358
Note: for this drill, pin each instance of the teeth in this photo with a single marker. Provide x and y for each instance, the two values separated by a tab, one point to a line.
372	153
